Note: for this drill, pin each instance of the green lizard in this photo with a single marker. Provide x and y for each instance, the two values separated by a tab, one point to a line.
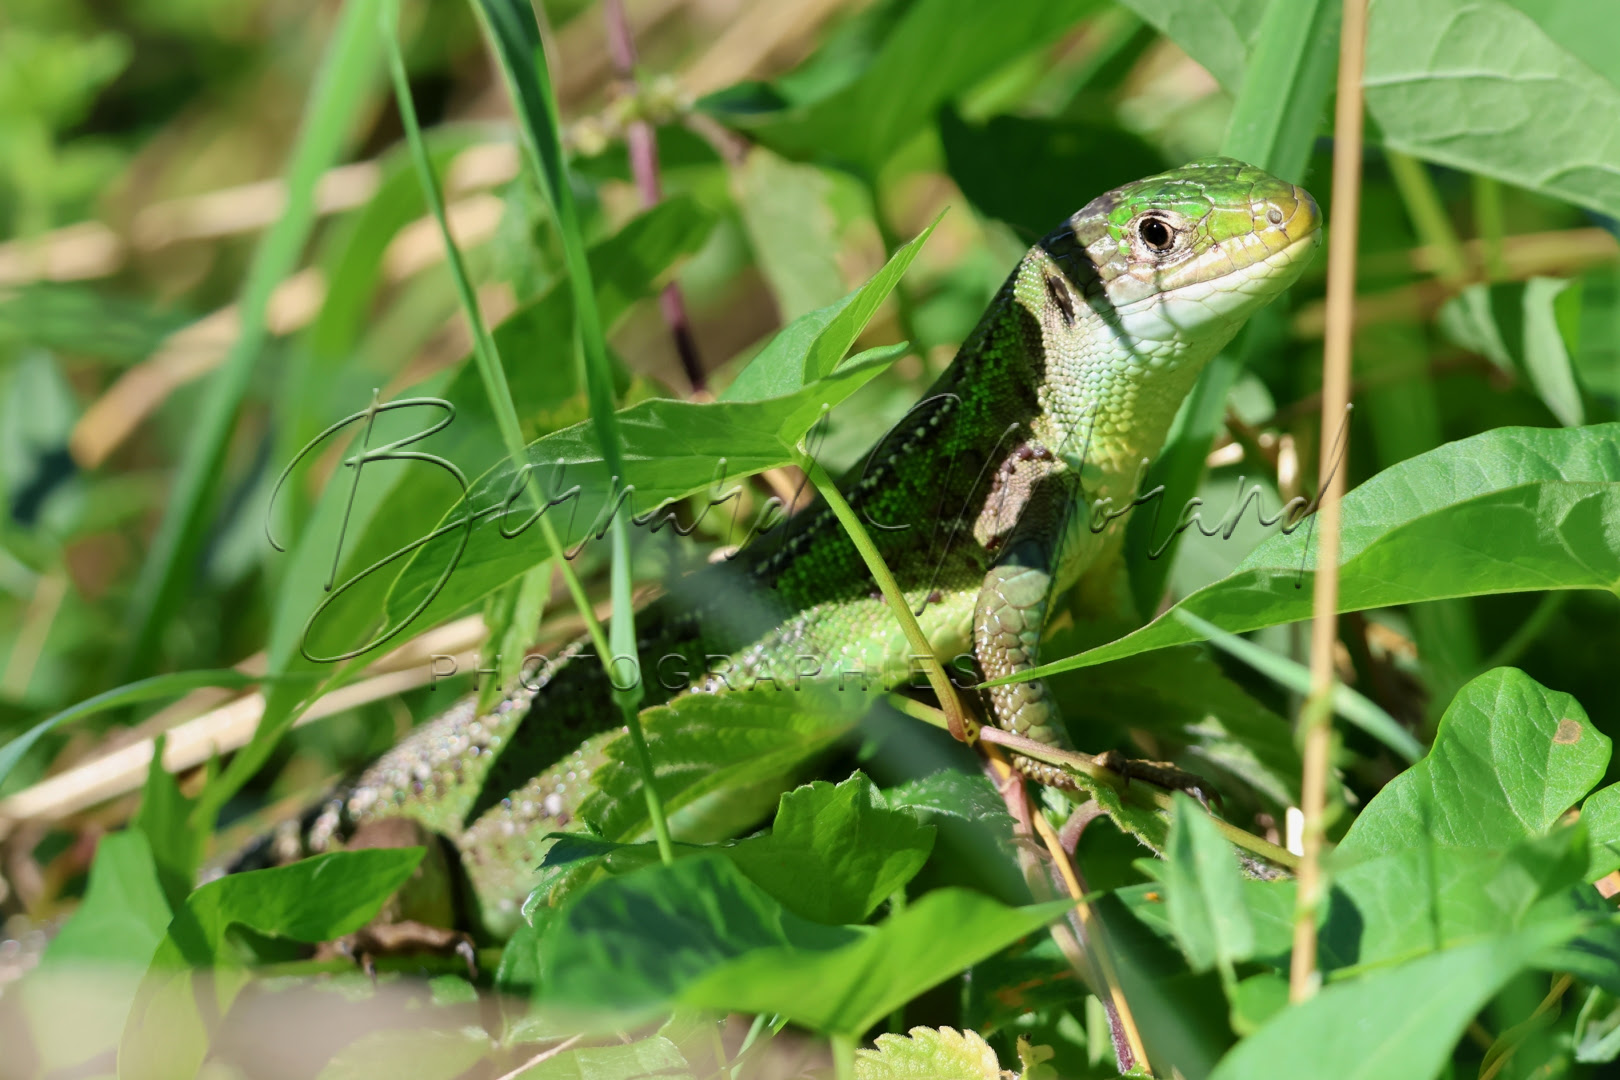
978	502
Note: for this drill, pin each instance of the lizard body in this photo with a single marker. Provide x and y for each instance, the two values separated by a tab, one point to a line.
980	502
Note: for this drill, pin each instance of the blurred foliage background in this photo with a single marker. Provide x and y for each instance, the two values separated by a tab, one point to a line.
142	147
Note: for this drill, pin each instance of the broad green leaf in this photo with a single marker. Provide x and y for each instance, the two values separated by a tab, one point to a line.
1217	33
934	52
1204	888
315	900
849	986
934	1053
1508	510
158	686
79	996
121	919
1509	759
835	852
634	942
708	743
654	1057
671	450
1023	170
1479	85
1401	1021
1600	813
421	1053
1429	897
1517	325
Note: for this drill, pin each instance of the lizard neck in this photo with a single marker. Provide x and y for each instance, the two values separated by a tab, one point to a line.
1107	397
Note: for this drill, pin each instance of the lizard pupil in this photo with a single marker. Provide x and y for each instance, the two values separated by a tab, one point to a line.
1156	234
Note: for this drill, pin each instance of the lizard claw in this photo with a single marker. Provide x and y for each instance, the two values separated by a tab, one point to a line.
1161	774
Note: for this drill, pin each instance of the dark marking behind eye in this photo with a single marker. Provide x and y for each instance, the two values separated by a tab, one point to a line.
1059	294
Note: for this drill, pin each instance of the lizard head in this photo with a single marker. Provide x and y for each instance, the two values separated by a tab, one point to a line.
1197	248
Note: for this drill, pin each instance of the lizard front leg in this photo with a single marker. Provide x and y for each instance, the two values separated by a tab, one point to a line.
1027	523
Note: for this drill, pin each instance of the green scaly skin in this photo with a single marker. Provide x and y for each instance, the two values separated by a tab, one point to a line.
1067	385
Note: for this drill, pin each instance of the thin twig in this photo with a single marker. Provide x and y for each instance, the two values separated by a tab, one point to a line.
642	143
1341	287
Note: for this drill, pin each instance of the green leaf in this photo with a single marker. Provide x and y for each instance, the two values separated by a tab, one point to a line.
1216	33
1517	326
310	901
164	815
1597	1028
1022	169
1600	813
1479	85
928	1054
934	52
1508	510
1401	1021
1509	759
1204	892
420	1053
835	852
707	743
654	1057
80	994
635	941
671	449
847	988
124	911
1292	62
158	686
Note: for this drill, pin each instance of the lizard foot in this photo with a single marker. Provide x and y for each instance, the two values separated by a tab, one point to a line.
1160	774
407	938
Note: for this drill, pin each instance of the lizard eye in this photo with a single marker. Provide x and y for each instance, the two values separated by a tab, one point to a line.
1156	234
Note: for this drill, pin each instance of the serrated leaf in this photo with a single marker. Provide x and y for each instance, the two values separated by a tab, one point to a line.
702	743
928	1054
835	852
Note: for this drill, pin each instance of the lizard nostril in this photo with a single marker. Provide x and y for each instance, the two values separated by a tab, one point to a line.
1275	216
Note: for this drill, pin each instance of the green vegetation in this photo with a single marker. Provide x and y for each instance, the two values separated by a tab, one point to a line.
254	252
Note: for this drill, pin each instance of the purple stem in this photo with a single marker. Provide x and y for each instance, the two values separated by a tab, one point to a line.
642	143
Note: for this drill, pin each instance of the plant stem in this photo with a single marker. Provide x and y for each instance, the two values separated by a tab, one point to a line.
1488	224
959	724
642	143
485	353
1317	732
1429	218
843	1048
340	89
